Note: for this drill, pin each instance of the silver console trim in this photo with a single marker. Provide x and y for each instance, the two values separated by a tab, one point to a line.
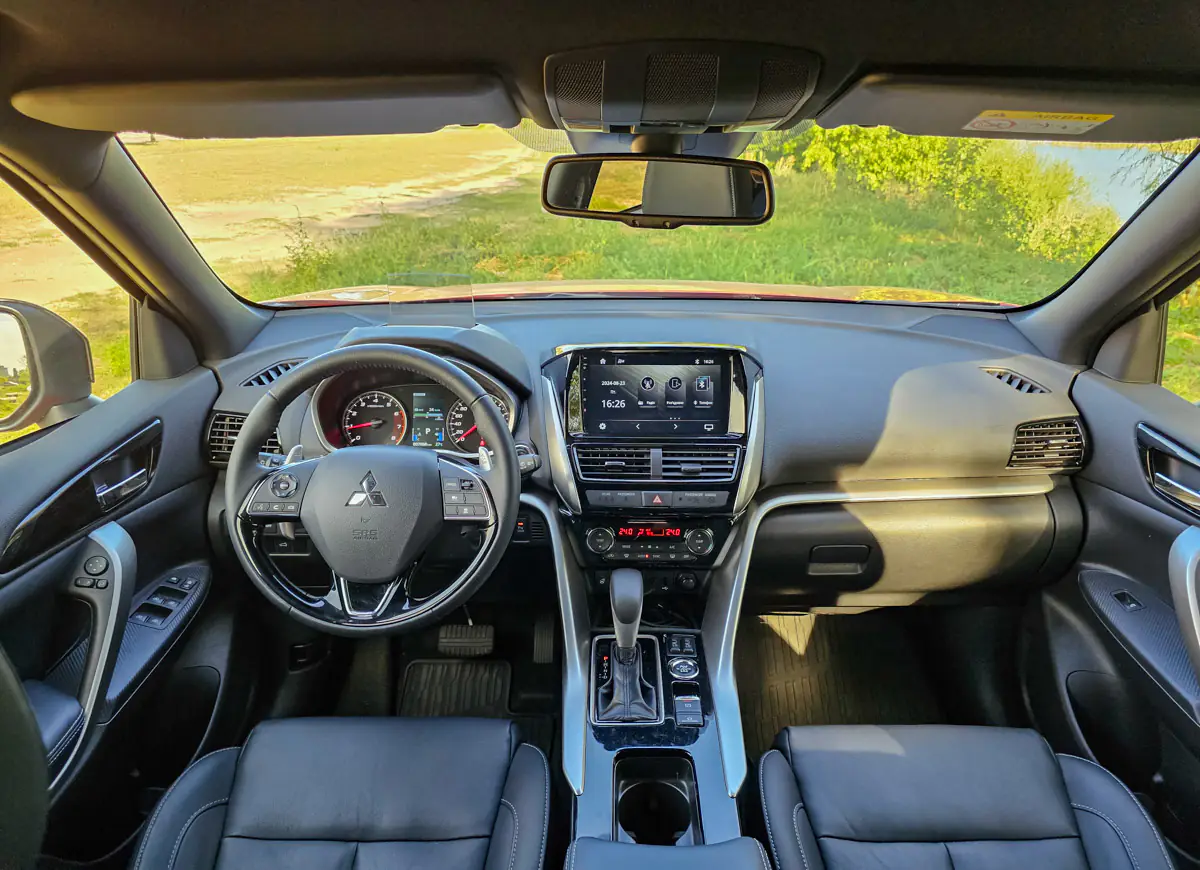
561	471
727	583
577	629
563	349
660	700
756	435
1183	563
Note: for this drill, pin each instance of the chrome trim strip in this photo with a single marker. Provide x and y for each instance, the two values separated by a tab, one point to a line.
560	463
641	345
1182	566
660	446
577	628
122	556
727	583
756	435
660	704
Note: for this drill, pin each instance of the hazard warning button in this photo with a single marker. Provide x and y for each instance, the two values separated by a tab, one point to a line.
656	499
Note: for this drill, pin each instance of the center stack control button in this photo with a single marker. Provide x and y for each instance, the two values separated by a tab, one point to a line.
656	499
600	539
683	669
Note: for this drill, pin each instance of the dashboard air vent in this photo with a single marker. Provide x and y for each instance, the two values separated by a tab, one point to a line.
271	373
223	430
613	462
699	463
1020	383
1050	444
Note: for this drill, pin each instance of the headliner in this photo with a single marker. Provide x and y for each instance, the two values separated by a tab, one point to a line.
88	41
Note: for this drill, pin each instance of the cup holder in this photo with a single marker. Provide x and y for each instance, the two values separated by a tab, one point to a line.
654	813
656	801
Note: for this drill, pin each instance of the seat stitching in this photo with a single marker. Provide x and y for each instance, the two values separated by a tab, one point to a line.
762	796
512	858
187	826
65	740
1136	802
762	853
573	849
163	802
1113	825
796	828
546	812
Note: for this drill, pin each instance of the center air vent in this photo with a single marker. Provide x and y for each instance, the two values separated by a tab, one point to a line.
223	430
613	462
1049	444
699	463
271	373
1020	383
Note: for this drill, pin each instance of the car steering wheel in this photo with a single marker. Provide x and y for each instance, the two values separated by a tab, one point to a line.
371	512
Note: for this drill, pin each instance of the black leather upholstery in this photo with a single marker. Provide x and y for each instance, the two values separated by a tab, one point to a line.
588	853
946	798
361	794
59	718
23	779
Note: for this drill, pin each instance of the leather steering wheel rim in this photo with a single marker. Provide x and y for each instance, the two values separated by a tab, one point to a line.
245	475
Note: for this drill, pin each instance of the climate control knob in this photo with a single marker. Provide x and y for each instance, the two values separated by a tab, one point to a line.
599	539
699	541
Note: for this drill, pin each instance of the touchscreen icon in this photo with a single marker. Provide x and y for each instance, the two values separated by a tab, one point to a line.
647	383
676	395
703	384
675	384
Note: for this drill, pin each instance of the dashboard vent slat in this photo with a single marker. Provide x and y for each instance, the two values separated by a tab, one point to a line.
1018	382
1049	444
271	373
223	431
596	462
699	463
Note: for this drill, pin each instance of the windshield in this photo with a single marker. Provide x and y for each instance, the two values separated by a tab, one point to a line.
861	214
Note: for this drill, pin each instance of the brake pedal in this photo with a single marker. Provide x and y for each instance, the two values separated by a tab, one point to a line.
543	640
466	641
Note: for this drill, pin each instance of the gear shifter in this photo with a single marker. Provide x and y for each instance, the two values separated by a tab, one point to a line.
627	696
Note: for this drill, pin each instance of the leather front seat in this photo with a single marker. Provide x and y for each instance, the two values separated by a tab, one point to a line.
946	798
358	794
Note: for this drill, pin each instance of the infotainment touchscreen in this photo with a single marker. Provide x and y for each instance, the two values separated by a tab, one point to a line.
655	393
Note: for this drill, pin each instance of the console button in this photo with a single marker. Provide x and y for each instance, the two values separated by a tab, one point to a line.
687	704
699	541
601	498
599	540
656	499
683	669
95	566
691	719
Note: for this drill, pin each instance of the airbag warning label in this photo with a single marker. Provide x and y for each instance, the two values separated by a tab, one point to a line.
1035	123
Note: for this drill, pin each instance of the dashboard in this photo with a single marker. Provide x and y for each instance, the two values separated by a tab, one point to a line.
359	408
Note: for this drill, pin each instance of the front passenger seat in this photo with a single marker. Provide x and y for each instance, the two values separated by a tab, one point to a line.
946	798
358	794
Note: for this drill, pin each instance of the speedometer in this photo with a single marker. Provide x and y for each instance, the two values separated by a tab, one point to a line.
461	428
374	417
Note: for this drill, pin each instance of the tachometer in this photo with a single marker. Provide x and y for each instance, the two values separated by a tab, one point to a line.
461	428
374	417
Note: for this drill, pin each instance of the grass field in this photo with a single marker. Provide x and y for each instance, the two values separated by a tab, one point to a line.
282	218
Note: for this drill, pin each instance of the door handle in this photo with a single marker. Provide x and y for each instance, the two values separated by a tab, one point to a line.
112	495
1163	460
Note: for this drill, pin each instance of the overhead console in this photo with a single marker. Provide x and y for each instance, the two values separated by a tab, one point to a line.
654	454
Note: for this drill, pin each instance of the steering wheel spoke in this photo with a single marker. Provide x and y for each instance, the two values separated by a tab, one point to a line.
466	495
278	494
368	602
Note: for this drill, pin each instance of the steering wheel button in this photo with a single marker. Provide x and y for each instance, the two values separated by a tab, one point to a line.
450	484
454	498
284	485
467	484
473	497
466	510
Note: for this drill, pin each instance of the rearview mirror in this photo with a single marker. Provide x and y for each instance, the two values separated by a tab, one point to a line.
659	192
45	367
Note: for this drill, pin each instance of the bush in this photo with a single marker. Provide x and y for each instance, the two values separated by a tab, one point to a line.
1039	204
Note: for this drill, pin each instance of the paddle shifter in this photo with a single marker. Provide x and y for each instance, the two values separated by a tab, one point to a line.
627	696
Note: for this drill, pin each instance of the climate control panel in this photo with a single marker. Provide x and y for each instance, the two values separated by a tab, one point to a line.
659	542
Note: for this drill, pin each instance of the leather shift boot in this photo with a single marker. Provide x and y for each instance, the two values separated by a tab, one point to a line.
627	696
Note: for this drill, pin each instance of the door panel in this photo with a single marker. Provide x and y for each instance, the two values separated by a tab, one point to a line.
109	566
1108	674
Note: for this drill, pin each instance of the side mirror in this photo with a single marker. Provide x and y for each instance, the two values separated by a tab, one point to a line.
659	192
45	367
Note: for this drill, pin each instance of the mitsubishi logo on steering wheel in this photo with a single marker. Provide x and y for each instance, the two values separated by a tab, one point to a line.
368	491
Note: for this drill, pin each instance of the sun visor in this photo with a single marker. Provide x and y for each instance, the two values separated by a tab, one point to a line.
288	107
1012	109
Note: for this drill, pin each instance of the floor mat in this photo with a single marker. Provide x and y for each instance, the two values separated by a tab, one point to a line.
457	687
828	670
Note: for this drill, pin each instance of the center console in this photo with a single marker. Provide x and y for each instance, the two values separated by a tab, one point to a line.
654	456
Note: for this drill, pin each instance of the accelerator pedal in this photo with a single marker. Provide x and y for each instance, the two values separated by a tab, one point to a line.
466	641
543	640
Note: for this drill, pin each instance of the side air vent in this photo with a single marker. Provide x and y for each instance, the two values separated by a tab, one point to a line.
613	463
1020	383
699	463
1050	444
223	430
271	373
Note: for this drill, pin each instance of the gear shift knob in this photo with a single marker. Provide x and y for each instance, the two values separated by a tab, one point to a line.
625	592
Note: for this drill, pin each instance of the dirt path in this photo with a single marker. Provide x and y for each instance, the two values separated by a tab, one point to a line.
42	266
